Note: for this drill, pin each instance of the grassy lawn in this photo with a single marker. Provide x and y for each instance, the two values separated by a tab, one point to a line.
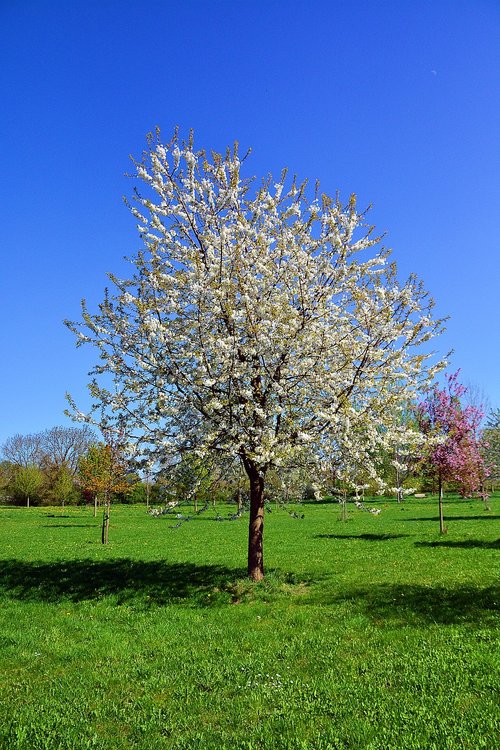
371	633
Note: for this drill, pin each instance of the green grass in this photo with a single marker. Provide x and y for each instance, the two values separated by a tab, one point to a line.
372	633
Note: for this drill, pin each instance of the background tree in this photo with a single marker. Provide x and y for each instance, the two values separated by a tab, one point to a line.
7	473
187	480
255	324
490	446
23	450
63	446
453	451
104	472
61	484
55	452
27	483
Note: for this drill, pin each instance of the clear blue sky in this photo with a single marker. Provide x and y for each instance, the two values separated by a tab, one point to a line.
396	101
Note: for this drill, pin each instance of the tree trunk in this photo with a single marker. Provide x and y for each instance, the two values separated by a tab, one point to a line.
398	484
256	523
484	495
105	521
195	502
95	506
442	529
344	507
28	501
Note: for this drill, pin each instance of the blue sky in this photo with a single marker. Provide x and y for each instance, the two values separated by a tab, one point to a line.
396	101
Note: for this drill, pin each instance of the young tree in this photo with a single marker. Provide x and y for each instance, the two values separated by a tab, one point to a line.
453	451
103	471
62	484
255	325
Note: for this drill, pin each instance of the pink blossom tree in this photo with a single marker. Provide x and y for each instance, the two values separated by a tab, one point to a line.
453	446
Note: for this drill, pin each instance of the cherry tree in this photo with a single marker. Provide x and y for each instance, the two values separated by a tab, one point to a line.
408	444
453	448
258	323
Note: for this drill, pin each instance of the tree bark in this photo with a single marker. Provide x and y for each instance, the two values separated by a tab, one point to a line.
256	523
28	501
95	506
442	529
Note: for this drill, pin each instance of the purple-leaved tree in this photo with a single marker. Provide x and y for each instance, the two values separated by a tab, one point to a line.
453	449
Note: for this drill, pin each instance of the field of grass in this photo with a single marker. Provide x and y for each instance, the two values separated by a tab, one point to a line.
372	633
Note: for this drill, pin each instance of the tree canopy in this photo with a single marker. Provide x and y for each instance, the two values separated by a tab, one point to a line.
259	323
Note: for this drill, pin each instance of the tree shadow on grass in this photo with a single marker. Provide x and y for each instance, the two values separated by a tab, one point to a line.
364	537
485	517
128	581
464	544
71	525
422	605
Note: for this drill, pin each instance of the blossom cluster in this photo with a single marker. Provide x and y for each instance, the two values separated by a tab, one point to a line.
258	324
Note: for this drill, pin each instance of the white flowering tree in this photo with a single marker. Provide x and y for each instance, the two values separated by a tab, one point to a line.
408	448
255	325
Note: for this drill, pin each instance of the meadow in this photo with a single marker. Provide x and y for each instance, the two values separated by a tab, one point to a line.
372	633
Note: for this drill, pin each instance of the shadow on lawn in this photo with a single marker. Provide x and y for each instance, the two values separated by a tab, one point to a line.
70	525
456	518
155	582
464	544
365	537
421	605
